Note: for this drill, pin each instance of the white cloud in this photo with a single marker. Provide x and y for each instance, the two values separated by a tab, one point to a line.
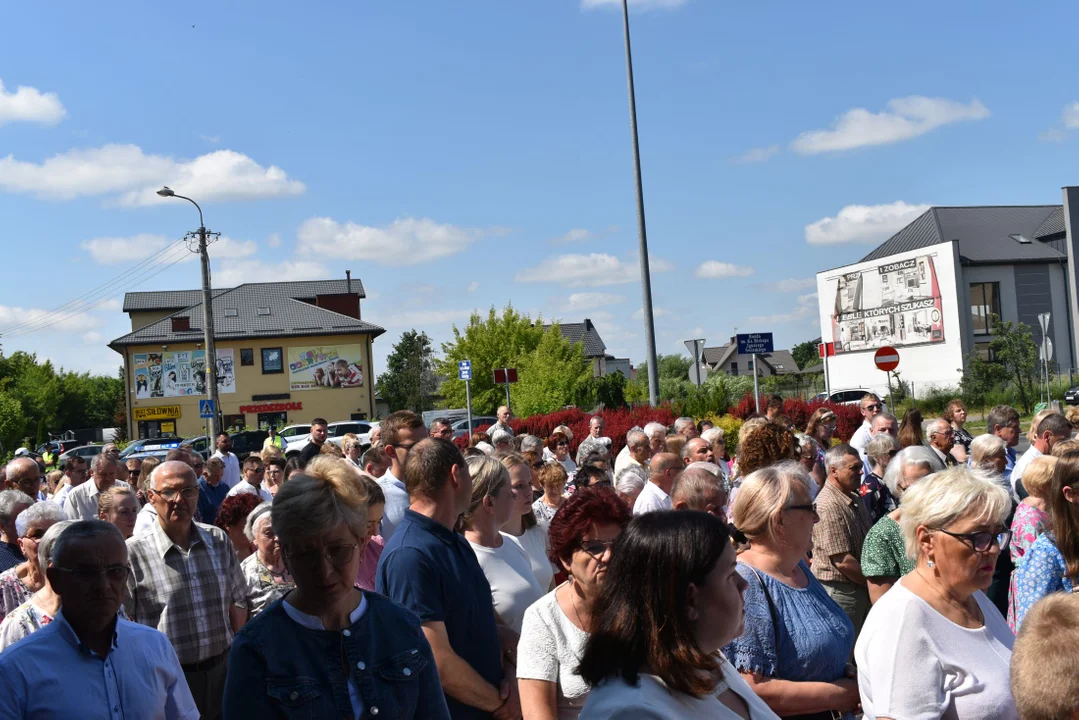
255	270
473	286
713	269
16	321
640	4
904	118
274	240
584	301
92	338
863	223
123	250
756	155
657	312
111	305
805	308
1069	120
29	104
573	236
594	269
405	241
420	318
791	285
227	248
131	177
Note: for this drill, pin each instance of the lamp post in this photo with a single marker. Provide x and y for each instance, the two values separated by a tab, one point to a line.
214	425
642	234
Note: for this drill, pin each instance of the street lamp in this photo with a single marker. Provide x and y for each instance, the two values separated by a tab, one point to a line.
642	234
213	425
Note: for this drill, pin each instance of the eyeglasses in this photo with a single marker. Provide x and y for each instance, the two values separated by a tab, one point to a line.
187	493
596	548
113	573
562	444
874	406
35	534
982	541
404	447
338	555
945	433
809	507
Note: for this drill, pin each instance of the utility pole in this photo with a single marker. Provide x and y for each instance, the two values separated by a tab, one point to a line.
642	233
213	424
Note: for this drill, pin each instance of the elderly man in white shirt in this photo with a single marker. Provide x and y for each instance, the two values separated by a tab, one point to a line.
636	452
81	503
656	495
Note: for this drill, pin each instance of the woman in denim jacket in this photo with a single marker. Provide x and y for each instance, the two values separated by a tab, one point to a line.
329	649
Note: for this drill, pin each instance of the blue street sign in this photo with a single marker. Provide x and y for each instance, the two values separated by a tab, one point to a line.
755	344
206	408
464	365
464	374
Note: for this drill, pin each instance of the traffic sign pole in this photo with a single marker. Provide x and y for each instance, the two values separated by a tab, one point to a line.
508	406
468	400
756	389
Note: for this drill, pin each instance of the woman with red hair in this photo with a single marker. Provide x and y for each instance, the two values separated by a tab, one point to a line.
556	627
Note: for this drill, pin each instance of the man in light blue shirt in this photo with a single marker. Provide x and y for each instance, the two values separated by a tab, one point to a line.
88	662
400	431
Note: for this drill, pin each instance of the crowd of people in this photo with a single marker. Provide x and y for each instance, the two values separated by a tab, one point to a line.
915	571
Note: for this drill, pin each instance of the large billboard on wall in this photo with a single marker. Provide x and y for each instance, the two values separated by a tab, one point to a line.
179	374
895	302
909	301
325	366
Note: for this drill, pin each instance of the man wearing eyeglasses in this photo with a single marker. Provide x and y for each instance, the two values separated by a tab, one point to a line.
871	407
24	475
81	503
1053	428
942	440
400	432
87	661
186	581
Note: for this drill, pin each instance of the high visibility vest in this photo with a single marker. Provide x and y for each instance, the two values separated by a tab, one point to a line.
275	440
48	458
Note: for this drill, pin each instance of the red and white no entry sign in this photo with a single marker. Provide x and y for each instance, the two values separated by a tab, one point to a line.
887	358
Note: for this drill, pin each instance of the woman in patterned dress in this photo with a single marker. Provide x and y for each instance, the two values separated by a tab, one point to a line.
26	578
42	606
267	577
552	477
1030	520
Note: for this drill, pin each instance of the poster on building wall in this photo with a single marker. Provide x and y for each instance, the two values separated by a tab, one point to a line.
325	366
179	374
894	303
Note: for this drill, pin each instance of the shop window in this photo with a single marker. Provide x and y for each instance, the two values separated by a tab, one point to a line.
247	357
984	304
272	361
234	422
272	419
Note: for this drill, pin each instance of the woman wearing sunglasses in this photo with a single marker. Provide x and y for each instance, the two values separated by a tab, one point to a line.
329	649
556	627
934	645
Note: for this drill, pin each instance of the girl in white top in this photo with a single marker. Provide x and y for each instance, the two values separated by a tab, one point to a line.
513	585
671	600
934	646
556	627
522	526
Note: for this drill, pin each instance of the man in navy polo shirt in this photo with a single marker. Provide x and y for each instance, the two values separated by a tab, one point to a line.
433	572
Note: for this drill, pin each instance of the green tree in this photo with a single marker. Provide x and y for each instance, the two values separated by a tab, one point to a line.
979	379
552	376
1014	349
409	379
806	354
496	341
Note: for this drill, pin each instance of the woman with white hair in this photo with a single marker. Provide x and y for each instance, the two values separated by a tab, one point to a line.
989	453
935	646
267	577
797	641
629	484
43	605
716	439
884	552
20	582
353	450
879	499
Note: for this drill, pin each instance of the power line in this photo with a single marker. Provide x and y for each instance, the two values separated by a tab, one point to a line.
162	260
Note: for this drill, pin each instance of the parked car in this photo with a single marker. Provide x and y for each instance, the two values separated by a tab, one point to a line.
294	432
460	428
136	446
335	433
199	444
843	397
1072	396
86	452
58	446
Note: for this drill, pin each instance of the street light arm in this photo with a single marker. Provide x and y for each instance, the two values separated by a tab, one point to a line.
183	197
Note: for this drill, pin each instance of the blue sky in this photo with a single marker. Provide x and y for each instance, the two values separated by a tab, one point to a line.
459	155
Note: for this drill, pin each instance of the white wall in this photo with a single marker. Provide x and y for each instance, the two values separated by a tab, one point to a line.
927	364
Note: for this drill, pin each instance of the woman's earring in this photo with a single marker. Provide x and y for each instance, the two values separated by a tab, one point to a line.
930	563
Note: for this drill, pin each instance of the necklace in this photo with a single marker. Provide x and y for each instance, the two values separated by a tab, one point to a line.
573	604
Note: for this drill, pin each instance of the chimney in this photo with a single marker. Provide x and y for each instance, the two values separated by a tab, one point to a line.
348	280
587	324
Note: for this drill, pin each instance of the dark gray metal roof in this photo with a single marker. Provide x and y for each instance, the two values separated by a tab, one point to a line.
713	356
781	362
983	233
288	315
585	333
1053	225
180	299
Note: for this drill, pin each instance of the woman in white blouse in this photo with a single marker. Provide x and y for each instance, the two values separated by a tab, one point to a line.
523	527
671	600
556	627
505	564
934	645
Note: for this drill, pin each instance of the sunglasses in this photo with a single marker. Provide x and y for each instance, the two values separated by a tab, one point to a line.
596	548
982	541
874	406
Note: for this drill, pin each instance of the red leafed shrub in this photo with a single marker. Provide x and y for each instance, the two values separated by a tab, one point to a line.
848	417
